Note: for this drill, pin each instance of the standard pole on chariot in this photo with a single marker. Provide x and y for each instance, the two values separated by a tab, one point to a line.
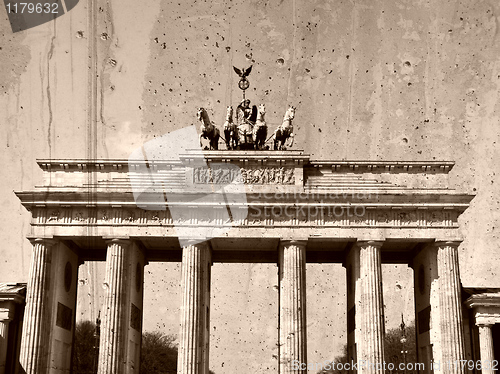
243	112
244	83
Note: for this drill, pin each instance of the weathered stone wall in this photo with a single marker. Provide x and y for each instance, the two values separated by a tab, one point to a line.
382	80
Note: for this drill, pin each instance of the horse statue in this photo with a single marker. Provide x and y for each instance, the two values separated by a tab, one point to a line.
230	130
208	130
285	131
260	128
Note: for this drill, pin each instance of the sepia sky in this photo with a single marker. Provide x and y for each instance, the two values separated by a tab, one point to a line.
372	80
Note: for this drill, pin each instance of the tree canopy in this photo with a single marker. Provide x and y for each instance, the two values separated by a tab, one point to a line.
84	348
158	352
393	348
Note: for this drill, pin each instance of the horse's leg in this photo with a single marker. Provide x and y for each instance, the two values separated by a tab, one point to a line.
277	139
216	138
236	138
292	137
227	136
201	145
211	136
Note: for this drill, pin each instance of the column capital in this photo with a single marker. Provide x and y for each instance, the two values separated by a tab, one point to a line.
447	243
48	242
484	324
6	315
296	242
117	240
370	243
485	320
197	243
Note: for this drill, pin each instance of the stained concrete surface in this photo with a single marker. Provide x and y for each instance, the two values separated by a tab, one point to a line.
377	80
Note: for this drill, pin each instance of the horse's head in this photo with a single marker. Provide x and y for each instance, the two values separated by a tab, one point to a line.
229	113
290	114
262	109
200	113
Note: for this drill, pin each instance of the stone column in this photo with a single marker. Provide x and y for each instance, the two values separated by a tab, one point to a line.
486	348
37	316
292	302
4	337
450	307
207	272
194	333
371	308
113	342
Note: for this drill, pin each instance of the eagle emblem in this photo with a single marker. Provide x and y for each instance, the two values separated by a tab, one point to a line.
243	73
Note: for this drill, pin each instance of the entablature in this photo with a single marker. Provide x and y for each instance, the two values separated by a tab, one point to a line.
252	192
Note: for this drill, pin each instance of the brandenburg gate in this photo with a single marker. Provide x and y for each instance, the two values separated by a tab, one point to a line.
240	206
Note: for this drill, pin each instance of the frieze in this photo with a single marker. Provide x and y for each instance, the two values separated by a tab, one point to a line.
258	215
260	175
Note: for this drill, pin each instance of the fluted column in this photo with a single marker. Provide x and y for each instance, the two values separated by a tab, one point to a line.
194	333
4	336
292	318
37	315
450	307
486	348
371	308
113	343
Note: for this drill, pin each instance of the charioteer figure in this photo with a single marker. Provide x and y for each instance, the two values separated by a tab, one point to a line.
245	119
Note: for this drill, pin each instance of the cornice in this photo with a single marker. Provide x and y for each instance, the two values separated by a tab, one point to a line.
368	199
483	300
260	157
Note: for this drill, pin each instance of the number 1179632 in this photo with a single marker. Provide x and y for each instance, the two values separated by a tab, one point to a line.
39	8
